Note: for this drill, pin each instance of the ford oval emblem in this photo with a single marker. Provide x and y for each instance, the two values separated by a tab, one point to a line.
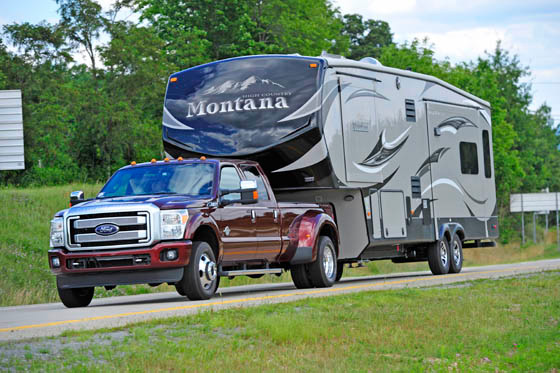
106	229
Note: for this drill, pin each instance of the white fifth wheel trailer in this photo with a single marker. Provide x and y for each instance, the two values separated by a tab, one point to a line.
405	159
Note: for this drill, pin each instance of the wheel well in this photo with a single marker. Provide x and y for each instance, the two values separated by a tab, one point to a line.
461	234
447	235
205	233
328	230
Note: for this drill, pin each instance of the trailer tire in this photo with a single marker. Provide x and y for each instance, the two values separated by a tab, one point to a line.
456	257
200	279
323	270
439	256
339	270
79	297
300	276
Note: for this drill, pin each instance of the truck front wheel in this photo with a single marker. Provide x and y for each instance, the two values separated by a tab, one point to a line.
323	270
72	298
200	279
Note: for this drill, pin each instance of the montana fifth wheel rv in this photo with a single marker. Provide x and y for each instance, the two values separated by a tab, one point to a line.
404	158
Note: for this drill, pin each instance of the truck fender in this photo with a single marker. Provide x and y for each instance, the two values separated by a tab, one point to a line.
304	236
449	229
198	220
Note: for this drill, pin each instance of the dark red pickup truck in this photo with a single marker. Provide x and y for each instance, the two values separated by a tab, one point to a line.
187	223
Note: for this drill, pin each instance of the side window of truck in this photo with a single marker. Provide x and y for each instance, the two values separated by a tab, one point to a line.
251	173
229	179
469	158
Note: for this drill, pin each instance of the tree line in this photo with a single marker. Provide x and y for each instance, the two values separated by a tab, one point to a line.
83	120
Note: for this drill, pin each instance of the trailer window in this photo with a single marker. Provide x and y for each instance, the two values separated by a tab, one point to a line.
251	173
229	179
469	158
486	150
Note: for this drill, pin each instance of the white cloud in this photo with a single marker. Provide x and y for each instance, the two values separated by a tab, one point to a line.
462	45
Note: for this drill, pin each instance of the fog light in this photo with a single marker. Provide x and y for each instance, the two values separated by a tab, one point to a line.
55	262
171	254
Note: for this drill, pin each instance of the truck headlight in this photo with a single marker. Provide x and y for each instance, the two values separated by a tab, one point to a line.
173	224
57	232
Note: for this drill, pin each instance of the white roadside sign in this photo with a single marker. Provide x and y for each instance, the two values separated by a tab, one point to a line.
11	131
534	202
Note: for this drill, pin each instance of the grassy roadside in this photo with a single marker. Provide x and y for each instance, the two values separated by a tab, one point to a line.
24	241
487	325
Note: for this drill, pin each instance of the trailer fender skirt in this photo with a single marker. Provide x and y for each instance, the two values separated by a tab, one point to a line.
452	228
84	280
304	254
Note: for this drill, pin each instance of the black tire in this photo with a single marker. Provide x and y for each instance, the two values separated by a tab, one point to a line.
300	276
439	257
456	257
200	280
180	289
72	298
256	276
323	270
339	270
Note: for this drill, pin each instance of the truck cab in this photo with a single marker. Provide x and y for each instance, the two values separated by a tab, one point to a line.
187	222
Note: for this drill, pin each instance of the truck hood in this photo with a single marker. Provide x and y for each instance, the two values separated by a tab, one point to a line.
163	202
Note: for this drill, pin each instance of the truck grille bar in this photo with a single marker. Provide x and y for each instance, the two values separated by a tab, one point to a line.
133	230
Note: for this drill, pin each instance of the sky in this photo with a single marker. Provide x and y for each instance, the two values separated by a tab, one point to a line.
464	30
459	30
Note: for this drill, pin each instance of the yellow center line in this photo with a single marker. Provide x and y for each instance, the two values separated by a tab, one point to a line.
265	297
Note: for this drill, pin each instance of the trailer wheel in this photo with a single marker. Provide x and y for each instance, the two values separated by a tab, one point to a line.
300	276
339	270
72	298
200	279
439	257
323	270
456	250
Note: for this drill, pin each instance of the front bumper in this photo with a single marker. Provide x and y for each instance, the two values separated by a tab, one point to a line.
120	267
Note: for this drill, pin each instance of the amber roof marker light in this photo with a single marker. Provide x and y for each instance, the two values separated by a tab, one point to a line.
313	65
173	80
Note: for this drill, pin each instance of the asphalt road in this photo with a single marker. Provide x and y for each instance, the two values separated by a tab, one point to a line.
51	319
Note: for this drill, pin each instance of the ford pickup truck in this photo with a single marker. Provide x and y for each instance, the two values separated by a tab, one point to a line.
188	223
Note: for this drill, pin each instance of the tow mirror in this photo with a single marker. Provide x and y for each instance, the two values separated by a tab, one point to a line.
76	197
247	190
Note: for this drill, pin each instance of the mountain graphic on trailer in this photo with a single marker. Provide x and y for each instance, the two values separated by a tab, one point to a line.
231	86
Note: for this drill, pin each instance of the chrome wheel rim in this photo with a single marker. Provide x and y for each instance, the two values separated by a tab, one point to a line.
206	271
328	262
443	253
456	253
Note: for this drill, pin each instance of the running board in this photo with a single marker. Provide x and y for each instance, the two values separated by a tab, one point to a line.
245	272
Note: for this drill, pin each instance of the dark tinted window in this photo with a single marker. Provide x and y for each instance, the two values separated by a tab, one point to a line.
469	158
486	150
251	173
229	179
191	179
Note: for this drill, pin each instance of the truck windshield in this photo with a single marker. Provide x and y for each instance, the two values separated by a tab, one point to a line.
191	179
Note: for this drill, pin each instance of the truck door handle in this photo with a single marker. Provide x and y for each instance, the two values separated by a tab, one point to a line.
253	216
276	216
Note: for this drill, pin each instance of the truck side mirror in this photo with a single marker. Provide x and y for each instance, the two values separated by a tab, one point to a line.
248	191
76	197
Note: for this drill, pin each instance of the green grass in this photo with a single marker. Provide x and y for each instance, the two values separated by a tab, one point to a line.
24	241
488	325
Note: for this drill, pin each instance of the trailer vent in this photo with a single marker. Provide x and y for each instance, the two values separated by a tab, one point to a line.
415	187
410	110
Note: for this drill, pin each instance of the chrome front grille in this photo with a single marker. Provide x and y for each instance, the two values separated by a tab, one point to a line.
133	230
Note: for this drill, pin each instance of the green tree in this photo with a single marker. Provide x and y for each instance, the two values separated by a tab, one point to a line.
367	38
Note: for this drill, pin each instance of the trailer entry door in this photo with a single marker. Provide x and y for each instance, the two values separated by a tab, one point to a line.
359	127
